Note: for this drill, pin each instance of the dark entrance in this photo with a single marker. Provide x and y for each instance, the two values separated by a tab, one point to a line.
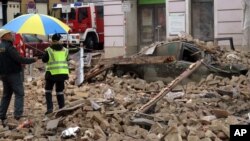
202	20
152	23
4	8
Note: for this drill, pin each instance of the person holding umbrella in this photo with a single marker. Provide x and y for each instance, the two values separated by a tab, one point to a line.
10	72
57	71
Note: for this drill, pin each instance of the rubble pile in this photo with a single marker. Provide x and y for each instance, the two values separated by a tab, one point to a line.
206	46
234	57
221	55
105	110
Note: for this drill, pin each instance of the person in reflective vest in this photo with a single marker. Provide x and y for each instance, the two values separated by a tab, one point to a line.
57	71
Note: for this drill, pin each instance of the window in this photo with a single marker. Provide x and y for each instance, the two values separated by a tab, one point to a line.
99	11
56	12
31	38
202	19
71	15
152	24
82	14
190	53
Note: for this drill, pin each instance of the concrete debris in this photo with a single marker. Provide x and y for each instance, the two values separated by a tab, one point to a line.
105	110
143	121
52	124
174	95
29	138
220	113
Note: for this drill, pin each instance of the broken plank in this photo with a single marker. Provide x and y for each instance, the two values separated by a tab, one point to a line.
96	71
170	86
138	60
224	92
147	115
67	111
116	112
143	121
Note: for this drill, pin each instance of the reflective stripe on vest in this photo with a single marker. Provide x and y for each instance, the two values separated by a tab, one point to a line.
57	63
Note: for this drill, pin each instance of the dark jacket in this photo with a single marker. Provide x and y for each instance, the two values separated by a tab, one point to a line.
10	59
45	59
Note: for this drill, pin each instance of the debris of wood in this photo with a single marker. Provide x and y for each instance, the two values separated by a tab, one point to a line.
66	111
202	107
138	60
170	86
143	121
116	112
107	64
98	69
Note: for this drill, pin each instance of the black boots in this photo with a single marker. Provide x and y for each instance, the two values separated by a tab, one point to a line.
49	103
60	100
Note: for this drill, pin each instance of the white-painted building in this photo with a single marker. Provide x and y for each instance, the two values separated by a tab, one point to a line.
1	13
206	19
114	30
42	8
154	20
12	9
127	30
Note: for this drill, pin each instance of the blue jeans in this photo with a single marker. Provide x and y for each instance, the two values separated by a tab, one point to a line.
12	83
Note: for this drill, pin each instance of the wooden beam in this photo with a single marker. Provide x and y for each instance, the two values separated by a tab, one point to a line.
170	86
138	60
96	71
106	64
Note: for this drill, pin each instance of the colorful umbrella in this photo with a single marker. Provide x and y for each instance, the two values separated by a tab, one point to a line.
36	24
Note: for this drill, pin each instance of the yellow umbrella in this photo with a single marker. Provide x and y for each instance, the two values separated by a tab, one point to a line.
36	24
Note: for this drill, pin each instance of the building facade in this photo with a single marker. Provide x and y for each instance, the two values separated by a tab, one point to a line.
130	25
149	21
12	8
206	19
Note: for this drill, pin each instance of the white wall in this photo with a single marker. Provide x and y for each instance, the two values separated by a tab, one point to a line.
12	9
132	30
228	20
175	6
113	24
114	29
1	9
42	8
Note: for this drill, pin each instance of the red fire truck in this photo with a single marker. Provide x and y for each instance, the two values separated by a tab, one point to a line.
86	23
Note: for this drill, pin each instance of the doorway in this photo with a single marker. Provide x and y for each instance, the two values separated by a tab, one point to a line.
202	19
152	24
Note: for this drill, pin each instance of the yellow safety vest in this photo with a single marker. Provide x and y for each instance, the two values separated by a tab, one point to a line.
57	63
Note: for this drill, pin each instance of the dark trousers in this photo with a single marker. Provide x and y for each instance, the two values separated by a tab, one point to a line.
59	94
12	83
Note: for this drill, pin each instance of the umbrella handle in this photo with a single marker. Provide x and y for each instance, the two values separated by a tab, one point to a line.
35	48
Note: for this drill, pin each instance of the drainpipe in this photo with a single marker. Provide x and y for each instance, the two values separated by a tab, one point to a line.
4	6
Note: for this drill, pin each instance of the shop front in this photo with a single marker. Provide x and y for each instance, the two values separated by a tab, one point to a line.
205	19
152	21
